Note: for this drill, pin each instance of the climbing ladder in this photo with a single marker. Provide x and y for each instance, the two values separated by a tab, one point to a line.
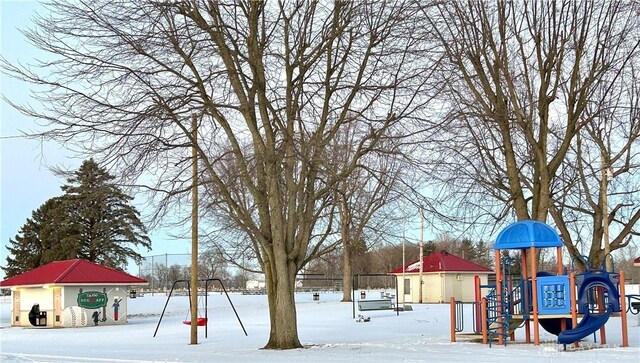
500	308
498	316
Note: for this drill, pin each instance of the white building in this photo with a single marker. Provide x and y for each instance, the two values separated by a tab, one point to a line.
70	293
443	276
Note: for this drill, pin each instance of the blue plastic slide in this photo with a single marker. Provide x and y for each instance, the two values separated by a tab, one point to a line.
588	325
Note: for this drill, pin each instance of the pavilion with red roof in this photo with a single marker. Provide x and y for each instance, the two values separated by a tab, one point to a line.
443	275
70	293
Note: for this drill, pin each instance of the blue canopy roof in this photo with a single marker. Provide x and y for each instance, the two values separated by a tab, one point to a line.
526	234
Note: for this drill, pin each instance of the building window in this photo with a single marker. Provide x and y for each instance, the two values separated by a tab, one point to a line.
57	318
459	277
17	318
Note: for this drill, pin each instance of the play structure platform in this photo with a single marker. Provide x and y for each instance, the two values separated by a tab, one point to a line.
569	305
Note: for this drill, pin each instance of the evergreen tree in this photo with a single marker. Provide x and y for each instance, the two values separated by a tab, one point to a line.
429	247
485	256
468	250
92	220
106	225
40	240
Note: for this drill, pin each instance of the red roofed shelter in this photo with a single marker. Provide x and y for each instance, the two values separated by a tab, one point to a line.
70	293
443	275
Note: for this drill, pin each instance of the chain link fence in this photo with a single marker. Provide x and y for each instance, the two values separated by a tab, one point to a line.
162	270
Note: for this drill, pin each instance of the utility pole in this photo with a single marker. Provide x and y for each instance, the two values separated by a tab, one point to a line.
194	233
421	253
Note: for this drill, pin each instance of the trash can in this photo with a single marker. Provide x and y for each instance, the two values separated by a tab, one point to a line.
316	296
363	294
42	319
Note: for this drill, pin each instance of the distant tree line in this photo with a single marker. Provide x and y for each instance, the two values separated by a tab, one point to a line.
384	258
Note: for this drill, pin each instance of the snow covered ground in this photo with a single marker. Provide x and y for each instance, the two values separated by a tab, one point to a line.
325	327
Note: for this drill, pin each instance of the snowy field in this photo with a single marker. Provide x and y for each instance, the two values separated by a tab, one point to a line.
325	327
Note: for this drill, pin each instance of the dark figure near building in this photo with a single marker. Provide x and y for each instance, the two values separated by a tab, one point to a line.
96	317
34	314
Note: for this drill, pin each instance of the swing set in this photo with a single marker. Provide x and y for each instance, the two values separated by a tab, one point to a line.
201	320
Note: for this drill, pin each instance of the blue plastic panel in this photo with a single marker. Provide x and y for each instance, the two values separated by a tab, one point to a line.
526	234
554	295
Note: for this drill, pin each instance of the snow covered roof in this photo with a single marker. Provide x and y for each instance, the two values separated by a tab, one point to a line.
441	262
72	272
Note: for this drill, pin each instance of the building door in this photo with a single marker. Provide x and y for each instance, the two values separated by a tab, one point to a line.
15	312
406	290
57	306
457	288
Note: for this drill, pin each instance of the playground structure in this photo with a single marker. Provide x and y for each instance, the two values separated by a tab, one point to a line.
387	301
201	320
553	302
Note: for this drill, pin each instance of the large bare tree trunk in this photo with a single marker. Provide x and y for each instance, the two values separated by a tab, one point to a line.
347	274
280	277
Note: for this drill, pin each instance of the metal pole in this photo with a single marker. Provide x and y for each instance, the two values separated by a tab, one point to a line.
404	268
194	235
421	255
153	277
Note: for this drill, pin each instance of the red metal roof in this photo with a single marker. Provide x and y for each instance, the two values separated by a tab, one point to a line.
441	262
77	271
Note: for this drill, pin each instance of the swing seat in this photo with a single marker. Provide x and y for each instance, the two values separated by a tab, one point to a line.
199	322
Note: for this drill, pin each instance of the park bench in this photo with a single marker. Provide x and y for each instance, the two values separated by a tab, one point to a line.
375	304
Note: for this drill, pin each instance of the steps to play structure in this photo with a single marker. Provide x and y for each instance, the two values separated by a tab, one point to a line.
571	306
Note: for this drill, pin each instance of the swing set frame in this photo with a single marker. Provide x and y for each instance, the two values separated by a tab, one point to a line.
206	296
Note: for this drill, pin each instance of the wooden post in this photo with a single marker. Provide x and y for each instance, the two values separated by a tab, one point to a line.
563	322
499	296
452	312
525	295
559	258
483	314
194	233
476	306
623	312
534	298
574	306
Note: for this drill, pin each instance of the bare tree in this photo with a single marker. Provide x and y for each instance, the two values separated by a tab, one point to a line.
521	81
596	199
271	84
362	198
212	265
